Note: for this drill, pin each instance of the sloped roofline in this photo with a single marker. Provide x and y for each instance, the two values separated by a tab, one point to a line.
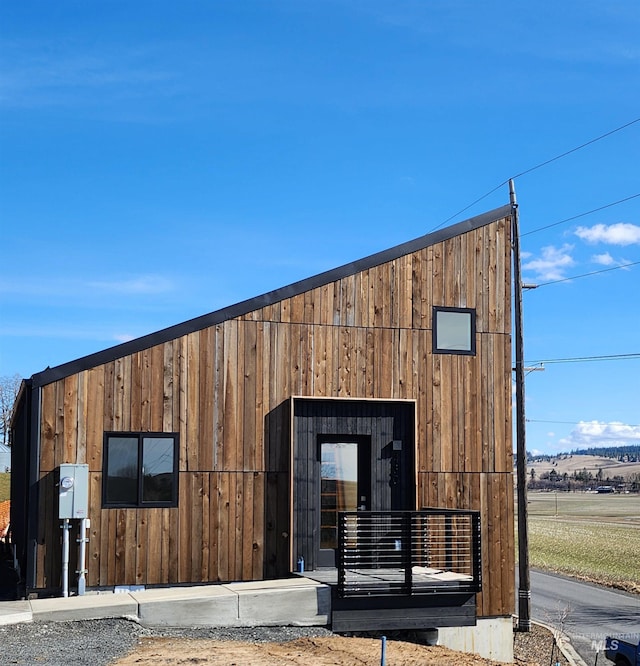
50	375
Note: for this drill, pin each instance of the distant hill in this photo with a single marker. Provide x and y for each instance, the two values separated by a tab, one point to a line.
576	463
569	471
628	453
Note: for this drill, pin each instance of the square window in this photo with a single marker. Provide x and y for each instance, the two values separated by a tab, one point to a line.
140	469
454	330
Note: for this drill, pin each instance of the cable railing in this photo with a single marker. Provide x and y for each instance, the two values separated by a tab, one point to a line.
408	552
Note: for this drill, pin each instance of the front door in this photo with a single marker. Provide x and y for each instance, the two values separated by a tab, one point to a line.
345	485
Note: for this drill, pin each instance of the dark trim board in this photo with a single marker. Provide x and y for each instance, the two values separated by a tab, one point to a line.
387	613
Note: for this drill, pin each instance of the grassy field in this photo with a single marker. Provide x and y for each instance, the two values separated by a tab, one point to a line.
590	536
5	487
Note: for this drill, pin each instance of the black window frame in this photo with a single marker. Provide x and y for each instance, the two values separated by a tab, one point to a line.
140	503
472	319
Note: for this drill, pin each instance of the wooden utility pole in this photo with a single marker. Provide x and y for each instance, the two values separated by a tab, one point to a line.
524	585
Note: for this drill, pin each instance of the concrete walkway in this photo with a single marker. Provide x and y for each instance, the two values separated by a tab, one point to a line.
295	601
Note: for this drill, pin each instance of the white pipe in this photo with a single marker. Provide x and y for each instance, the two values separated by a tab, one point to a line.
65	557
82	538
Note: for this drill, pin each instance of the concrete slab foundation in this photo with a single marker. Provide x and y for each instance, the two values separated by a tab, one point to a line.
13	612
491	638
207	606
305	603
89	607
298	602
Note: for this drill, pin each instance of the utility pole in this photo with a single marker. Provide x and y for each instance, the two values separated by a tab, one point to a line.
524	585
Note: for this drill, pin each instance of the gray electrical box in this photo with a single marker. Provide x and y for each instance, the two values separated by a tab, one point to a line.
74	491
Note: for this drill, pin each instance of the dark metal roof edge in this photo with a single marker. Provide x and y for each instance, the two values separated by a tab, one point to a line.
231	312
22	389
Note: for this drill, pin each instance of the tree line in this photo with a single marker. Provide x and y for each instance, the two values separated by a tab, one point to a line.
9	387
581	480
626	453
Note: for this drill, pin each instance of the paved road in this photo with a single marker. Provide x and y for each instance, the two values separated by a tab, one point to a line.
592	612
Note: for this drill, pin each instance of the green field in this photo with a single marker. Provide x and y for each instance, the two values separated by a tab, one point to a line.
5	487
594	537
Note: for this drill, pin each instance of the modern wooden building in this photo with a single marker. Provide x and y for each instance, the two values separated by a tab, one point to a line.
222	448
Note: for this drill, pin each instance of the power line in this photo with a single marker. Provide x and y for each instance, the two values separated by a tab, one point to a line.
575	217
573	150
582	359
539	166
577	277
611	423
484	196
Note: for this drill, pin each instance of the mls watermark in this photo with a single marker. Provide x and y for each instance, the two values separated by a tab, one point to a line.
601	642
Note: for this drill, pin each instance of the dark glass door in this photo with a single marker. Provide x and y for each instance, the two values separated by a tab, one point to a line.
345	485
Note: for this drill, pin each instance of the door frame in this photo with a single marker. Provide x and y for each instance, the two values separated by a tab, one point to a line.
391	424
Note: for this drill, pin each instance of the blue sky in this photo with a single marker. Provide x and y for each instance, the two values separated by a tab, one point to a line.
162	160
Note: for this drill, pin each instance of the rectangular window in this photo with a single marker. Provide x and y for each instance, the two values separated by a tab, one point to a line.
140	469
454	330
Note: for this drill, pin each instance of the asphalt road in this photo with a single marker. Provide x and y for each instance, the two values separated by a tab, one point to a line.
586	613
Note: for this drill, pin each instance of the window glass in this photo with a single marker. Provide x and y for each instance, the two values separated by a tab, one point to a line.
338	487
140	469
122	470
157	469
454	330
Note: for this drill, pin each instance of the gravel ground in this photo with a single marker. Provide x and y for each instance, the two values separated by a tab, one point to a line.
100	642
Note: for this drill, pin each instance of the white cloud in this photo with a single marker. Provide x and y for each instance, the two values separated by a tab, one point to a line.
606	259
124	337
621	233
552	263
603	259
141	284
73	74
592	434
73	288
59	332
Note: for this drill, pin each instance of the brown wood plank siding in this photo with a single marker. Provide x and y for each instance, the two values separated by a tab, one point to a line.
225	390
59	440
490	494
48	428
94	418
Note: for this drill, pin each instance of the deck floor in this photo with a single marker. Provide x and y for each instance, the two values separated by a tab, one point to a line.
422	577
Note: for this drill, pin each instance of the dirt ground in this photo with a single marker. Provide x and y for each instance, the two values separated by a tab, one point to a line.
334	651
330	651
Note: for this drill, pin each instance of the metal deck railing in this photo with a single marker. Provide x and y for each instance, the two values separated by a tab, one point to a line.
408	552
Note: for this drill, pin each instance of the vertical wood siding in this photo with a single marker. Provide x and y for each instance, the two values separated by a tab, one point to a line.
225	390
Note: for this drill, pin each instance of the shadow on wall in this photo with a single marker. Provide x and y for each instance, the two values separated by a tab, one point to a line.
277	501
